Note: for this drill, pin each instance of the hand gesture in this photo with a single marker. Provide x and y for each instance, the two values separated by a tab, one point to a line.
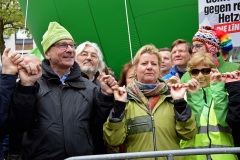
231	76
29	74
173	80
120	94
216	76
28	62
192	85
107	83
178	90
10	62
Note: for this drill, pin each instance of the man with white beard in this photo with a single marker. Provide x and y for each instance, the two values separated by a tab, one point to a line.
90	59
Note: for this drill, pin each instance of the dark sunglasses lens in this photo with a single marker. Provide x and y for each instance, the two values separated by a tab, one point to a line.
206	71
194	72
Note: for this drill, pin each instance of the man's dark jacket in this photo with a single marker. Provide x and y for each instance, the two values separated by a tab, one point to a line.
7	85
97	132
233	116
58	117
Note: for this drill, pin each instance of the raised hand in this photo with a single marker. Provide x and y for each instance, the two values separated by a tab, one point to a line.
28	62
10	62
216	76
178	90
108	83
120	94
192	85
30	73
173	80
231	76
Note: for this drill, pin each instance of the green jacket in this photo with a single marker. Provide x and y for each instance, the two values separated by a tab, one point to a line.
222	68
135	128
210	106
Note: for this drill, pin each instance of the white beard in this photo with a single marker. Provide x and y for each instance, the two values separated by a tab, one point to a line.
88	69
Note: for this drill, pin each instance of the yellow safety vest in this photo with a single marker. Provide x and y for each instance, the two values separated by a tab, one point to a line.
211	134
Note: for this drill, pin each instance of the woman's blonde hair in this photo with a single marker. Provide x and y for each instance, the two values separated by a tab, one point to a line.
151	49
201	58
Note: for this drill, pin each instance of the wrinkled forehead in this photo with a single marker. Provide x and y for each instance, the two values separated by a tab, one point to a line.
90	48
180	46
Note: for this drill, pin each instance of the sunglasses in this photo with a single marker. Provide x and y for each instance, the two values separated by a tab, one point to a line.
204	71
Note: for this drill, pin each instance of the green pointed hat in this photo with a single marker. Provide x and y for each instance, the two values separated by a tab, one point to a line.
55	33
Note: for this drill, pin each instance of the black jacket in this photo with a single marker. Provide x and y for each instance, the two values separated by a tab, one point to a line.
233	116
58	117
97	132
95	80
7	85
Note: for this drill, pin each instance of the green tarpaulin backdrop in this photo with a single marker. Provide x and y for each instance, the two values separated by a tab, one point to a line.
158	22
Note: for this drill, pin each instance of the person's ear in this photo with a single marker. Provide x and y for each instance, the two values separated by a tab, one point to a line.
47	55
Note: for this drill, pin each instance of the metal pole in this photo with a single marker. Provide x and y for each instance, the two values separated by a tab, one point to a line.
166	153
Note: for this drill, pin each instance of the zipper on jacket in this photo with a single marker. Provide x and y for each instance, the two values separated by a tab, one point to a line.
137	124
149	111
208	156
154	134
62	86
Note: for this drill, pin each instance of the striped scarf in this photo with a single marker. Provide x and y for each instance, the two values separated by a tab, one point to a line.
144	93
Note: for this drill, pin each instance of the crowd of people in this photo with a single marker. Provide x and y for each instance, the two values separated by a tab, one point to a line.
72	104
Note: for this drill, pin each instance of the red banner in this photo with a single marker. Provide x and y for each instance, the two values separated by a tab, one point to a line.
232	27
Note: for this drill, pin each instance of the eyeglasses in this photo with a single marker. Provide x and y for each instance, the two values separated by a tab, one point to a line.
64	45
197	46
179	51
86	54
204	71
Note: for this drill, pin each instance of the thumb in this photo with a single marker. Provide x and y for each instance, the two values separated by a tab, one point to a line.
122	90
6	52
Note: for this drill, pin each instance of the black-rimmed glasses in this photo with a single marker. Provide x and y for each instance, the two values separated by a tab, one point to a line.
197	46
64	45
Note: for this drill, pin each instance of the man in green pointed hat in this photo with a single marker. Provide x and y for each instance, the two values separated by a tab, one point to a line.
58	108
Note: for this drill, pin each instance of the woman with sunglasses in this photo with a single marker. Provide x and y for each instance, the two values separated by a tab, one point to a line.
211	40
209	103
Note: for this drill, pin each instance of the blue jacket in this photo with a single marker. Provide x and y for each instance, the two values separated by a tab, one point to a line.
173	72
7	85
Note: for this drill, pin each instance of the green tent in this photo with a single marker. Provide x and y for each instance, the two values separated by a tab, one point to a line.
37	53
119	28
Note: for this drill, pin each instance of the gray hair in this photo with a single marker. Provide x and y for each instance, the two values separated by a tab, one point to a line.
80	48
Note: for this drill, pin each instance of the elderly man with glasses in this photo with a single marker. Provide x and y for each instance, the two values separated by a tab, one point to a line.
90	59
57	107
